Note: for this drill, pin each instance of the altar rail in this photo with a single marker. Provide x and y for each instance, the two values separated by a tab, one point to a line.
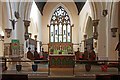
76	61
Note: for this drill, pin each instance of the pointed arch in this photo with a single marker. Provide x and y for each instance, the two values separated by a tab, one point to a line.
93	9
27	10
60	26
89	27
66	9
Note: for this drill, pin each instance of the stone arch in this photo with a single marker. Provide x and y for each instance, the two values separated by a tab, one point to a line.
89	27
27	10
85	22
93	9
91	15
114	15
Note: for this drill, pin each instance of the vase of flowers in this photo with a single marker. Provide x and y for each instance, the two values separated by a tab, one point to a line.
60	52
51	50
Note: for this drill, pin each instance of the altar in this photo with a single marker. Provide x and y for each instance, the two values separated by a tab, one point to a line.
61	60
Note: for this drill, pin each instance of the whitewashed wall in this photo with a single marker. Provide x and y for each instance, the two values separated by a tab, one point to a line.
35	26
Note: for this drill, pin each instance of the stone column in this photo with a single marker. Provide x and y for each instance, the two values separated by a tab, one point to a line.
85	37
35	40
26	24
26	34
95	36
1	46
95	25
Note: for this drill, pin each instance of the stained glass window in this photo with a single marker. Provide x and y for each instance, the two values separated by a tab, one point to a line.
60	26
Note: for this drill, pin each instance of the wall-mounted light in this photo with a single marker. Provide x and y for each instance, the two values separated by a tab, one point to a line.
105	12
8	32
114	30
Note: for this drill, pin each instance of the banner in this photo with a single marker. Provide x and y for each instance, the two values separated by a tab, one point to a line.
15	44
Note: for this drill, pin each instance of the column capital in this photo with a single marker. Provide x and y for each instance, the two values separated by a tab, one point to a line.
8	32
26	23
114	30
85	36
95	22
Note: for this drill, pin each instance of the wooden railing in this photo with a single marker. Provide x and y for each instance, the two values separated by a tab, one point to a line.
75	61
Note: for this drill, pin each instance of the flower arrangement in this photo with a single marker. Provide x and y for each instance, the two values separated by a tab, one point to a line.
51	50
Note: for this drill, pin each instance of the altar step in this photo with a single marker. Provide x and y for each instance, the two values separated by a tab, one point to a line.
63	78
25	77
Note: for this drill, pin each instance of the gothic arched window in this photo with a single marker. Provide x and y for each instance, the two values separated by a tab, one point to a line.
60	26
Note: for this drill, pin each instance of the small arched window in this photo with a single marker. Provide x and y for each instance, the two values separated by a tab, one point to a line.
60	26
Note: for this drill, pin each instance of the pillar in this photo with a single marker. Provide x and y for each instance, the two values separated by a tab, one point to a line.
95	35
26	34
